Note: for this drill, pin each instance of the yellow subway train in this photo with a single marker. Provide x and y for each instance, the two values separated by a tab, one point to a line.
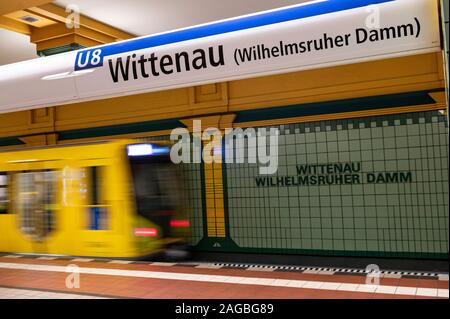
113	199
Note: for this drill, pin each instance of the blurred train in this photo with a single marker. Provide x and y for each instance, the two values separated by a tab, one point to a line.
114	199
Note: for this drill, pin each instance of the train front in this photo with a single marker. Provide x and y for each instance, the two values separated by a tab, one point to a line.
161	224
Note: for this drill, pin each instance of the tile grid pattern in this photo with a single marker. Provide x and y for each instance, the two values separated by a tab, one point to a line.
409	219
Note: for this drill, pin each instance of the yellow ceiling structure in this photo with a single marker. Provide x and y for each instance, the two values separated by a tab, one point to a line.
31	19
11	6
45	23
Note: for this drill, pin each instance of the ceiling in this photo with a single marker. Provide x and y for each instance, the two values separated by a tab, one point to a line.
15	47
141	17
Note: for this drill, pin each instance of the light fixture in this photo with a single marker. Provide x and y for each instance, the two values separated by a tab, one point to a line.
140	150
29	19
146	150
179	223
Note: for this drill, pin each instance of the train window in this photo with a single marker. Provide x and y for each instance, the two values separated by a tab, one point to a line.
97	210
4	194
155	189
35	201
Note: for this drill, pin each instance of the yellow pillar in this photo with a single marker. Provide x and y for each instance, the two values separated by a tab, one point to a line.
213	178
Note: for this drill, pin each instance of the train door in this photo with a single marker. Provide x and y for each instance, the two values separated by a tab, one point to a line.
97	234
36	204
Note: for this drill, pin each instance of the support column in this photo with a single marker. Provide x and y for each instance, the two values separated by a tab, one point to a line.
214	192
41	126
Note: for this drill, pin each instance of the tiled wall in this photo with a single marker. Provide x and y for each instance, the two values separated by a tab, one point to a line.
193	200
407	219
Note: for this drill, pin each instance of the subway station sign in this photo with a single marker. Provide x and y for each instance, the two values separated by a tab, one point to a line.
309	35
329	174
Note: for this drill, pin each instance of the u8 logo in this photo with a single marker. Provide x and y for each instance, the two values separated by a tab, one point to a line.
88	59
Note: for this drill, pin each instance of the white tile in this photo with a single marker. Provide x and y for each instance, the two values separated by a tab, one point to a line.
209	266
234	280
348	287
122	262
330	285
297	283
162	264
443	277
313	284
216	278
386	290
265	281
395	276
29	292
366	288
192	277
260	269
83	260
280	282
310	271
249	281
65	296
429	292
406	291
12	256
443	293
10	293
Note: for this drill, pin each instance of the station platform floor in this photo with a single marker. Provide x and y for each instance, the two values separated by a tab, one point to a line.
33	277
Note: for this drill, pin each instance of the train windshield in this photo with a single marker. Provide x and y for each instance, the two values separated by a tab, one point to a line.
155	182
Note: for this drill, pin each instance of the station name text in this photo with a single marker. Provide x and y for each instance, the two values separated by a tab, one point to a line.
334	174
150	65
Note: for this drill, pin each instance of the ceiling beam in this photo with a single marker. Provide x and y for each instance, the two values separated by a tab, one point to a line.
57	13
66	40
15	26
41	21
16	5
50	31
59	35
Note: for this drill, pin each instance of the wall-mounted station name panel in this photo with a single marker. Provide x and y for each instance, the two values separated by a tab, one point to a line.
310	35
